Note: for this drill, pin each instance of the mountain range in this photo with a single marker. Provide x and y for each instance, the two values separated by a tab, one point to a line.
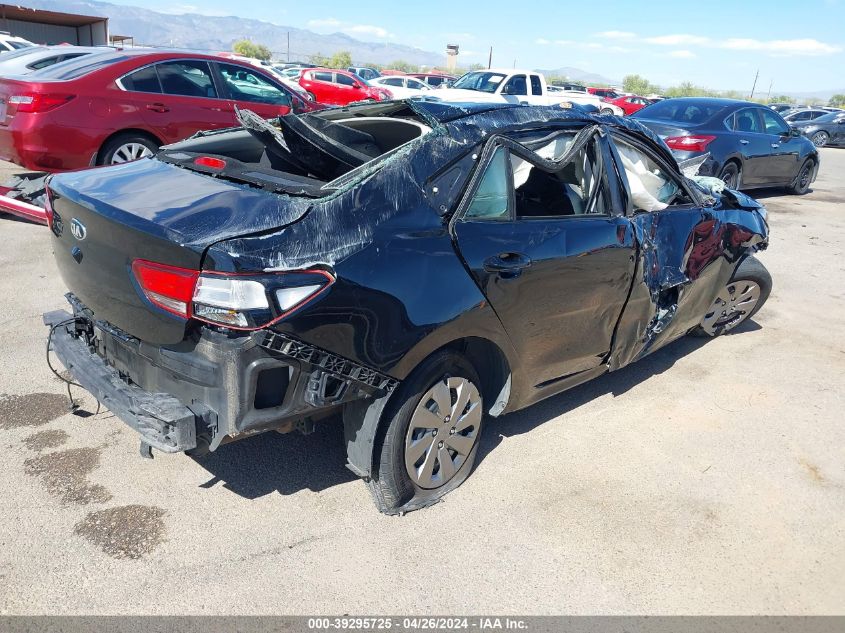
214	34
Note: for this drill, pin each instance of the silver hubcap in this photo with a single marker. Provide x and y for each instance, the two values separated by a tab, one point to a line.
130	151
819	139
733	305
443	430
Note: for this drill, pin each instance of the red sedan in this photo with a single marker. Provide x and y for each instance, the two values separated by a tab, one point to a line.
116	106
630	104
339	87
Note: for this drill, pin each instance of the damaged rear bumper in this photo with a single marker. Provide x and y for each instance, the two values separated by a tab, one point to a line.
213	387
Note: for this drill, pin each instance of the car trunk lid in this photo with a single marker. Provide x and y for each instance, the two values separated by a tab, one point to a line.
104	219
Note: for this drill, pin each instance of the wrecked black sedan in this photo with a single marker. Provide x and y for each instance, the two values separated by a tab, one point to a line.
407	268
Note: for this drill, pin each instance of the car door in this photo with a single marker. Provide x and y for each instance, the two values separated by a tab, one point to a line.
783	162
516	90
686	252
348	89
751	142
188	100
551	250
837	129
248	88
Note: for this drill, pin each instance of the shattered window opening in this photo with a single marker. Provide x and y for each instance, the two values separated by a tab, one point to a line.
651	188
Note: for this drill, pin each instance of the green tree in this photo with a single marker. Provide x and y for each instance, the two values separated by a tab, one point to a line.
248	48
781	99
837	101
404	66
318	59
638	85
341	59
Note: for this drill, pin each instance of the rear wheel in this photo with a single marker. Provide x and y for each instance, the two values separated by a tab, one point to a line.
820	138
802	181
126	147
605	111
430	437
740	299
731	175
311	96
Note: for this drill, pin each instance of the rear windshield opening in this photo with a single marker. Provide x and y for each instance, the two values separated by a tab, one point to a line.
318	152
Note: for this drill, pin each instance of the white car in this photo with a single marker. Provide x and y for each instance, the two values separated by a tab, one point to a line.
11	43
32	58
402	87
527	87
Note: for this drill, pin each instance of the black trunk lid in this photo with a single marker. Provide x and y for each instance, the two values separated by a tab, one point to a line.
153	211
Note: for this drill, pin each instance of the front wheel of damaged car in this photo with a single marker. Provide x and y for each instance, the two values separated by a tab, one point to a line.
740	299
429	435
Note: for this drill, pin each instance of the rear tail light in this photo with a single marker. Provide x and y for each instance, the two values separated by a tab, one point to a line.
37	102
691	143
169	287
210	161
239	301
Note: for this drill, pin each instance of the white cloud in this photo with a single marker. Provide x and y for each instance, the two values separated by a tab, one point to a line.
617	35
327	23
683	54
542	41
367	29
676	39
801	47
775	48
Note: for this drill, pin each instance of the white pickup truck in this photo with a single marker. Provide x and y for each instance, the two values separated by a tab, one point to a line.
517	86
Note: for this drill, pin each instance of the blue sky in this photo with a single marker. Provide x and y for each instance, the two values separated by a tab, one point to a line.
798	46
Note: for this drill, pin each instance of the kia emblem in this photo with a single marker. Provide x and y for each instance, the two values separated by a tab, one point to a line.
77	229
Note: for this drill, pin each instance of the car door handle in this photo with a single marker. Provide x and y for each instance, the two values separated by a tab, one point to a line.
213	108
157	107
507	263
743	141
775	145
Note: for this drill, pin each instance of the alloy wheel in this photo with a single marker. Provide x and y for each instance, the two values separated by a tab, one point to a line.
130	151
735	302
819	139
442	432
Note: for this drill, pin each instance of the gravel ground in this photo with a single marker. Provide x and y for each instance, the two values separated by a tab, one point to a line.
708	478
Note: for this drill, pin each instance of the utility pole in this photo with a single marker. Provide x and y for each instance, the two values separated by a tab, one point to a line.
288	46
769	95
514	63
755	84
490	59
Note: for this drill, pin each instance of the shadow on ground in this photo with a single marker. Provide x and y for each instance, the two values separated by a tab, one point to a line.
286	464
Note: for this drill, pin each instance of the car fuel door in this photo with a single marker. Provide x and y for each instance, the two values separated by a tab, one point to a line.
545	239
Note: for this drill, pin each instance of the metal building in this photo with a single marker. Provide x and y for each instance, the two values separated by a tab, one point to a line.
51	27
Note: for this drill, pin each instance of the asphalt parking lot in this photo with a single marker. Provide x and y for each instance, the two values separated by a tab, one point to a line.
708	478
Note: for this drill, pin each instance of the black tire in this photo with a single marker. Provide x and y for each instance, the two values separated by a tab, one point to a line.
749	270
820	138
606	111
803	179
731	175
113	145
393	490
312	97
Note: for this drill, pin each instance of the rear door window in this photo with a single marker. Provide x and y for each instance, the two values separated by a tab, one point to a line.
142	80
322	76
187	78
577	188
747	121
